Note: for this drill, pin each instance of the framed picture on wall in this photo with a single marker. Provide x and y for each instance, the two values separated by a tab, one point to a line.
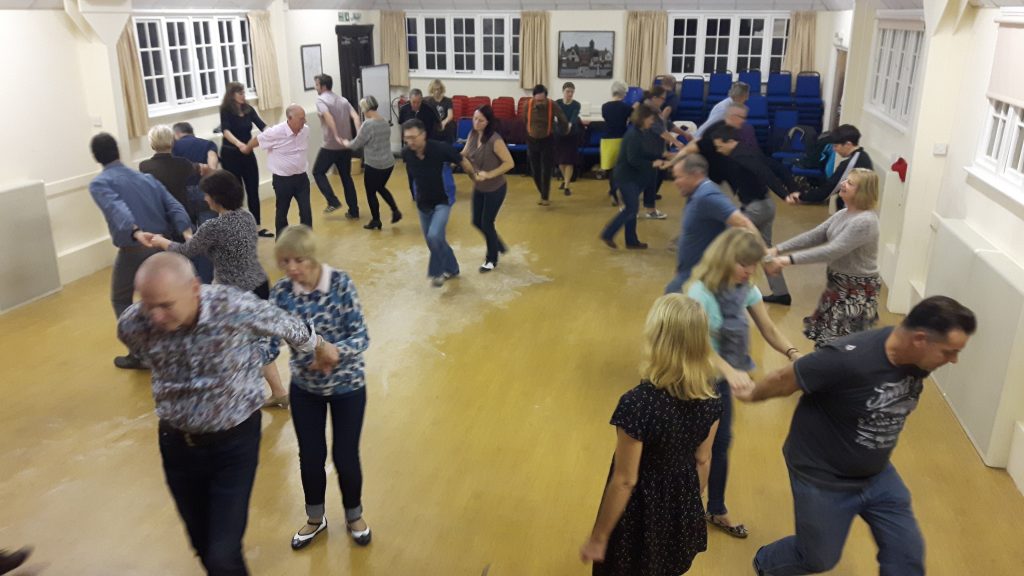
586	54
312	65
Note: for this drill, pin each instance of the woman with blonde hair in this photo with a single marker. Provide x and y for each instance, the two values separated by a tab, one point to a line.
378	161
721	284
326	298
848	242
651	518
445	110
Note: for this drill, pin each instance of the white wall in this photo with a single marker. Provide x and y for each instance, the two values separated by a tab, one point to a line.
827	26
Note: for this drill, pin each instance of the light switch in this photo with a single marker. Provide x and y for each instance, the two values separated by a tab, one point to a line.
940	149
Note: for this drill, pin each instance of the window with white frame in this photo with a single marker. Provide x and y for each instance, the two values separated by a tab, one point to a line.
1002	149
710	42
897	53
463	44
187	61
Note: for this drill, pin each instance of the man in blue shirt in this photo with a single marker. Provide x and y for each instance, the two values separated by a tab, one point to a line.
739	93
132	203
708	213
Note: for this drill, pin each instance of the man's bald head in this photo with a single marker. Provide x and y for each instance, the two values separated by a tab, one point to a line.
296	117
165	267
169	290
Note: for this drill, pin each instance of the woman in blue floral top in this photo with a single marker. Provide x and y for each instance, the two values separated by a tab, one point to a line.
326	298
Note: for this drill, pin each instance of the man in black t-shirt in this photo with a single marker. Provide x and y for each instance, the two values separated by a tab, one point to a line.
857	394
428	163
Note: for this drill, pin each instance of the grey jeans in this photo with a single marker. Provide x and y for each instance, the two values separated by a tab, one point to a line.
122	280
762	214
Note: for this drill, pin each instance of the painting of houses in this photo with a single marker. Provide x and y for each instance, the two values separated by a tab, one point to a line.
586	54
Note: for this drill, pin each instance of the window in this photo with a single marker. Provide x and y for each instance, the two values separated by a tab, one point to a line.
463	44
706	43
187	61
1002	149
897	52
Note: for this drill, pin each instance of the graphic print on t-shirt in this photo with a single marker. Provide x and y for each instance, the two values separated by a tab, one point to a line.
887	413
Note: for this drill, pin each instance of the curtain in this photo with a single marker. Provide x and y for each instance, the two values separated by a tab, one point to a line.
533	47
645	46
264	61
1005	85
136	109
394	46
800	52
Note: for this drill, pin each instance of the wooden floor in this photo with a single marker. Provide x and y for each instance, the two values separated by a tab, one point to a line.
486	443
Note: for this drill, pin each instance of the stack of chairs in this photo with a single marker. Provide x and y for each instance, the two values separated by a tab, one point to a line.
753	79
779	91
718	89
757	116
459	104
782	122
504	108
463	128
634	94
691	100
475	102
592	148
807	99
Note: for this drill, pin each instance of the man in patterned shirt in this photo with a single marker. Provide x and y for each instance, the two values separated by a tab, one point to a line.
206	345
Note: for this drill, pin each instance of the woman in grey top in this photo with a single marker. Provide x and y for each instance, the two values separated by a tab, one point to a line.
848	242
378	161
230	241
487	152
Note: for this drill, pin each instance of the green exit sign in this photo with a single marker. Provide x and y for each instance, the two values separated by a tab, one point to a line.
349	16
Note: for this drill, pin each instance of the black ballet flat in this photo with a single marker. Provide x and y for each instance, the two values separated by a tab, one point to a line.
396	217
373	225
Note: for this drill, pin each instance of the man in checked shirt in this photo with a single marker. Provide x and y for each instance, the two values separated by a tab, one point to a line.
206	345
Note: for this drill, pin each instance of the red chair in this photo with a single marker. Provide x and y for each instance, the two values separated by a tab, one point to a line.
476	102
459	105
521	107
504	108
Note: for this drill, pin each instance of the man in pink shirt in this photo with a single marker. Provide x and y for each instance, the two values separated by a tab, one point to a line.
287	146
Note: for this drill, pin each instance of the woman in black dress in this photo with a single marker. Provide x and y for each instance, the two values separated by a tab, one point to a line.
236	121
651	519
567	146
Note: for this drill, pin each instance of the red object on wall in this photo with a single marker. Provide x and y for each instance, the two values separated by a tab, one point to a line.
900	167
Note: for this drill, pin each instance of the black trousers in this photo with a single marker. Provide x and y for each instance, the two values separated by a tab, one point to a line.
485	211
542	163
375	182
309	416
211	477
244	167
342	160
286	188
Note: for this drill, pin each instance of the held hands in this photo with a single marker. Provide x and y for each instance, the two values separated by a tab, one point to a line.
245	149
793	198
740	383
593	551
341	141
480	176
772	266
325	357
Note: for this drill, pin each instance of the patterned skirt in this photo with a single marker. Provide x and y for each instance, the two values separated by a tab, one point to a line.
849	304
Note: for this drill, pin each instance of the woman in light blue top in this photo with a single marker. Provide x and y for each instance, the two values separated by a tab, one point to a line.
721	284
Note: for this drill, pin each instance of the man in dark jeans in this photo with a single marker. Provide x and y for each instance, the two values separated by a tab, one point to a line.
542	114
336	120
209	401
286	145
857	394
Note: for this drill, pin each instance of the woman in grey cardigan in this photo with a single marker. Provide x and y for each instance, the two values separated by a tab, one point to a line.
848	242
378	161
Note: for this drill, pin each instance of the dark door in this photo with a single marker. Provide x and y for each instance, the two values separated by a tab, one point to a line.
355	49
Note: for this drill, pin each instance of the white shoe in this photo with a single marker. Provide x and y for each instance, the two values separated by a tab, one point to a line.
437	281
487	266
302	540
656	215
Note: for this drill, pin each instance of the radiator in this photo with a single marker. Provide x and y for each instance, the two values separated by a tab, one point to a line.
986	388
28	260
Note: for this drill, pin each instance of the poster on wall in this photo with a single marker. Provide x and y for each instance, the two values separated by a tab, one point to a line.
312	65
585	54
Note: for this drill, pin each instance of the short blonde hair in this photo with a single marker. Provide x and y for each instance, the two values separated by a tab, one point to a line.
734	246
161	138
865	195
436	88
677	349
297	240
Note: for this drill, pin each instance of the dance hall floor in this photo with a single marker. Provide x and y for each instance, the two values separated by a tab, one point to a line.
486	443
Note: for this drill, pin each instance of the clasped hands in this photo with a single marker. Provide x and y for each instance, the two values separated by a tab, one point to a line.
325	357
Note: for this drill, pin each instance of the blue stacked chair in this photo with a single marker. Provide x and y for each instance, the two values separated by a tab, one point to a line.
782	122
793	145
633	95
463	128
691	100
718	89
807	99
753	79
757	116
592	148
780	91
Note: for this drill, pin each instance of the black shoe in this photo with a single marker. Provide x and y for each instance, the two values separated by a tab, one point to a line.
264	233
396	216
303	540
11	560
351	216
637	246
373	225
568	192
361	538
657	196
130	362
783	299
609	242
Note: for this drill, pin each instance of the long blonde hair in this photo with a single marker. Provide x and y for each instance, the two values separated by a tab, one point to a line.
734	246
677	349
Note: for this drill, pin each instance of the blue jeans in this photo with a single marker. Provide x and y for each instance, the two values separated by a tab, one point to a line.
720	454
676	284
823	519
442	258
627	216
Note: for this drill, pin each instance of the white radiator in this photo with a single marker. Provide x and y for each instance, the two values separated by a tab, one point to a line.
28	260
986	388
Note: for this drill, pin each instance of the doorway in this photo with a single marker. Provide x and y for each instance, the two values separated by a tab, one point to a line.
355	50
837	88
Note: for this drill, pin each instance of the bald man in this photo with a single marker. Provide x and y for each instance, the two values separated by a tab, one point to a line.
287	146
206	346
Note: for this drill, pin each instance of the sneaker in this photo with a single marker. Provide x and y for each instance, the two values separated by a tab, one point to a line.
782	299
656	215
544	203
437	281
487	267
351	216
330	209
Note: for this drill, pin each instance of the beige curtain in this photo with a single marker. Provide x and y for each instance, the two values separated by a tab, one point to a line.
136	109
533	49
264	61
800	52
645	46
394	47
